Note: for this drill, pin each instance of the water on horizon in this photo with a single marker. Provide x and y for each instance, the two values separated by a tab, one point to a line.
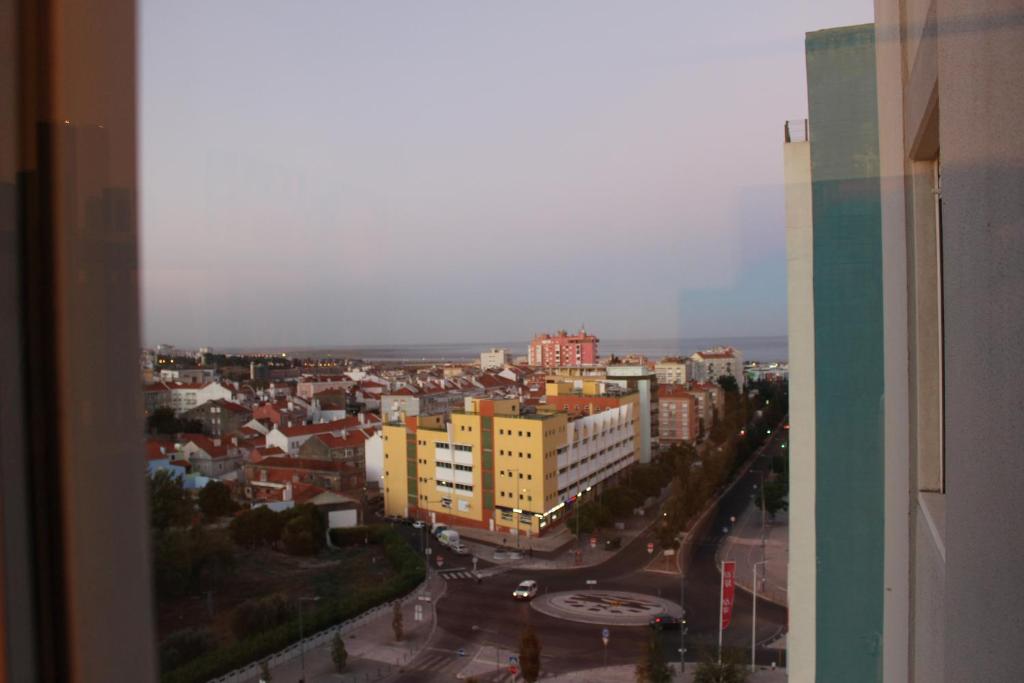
762	349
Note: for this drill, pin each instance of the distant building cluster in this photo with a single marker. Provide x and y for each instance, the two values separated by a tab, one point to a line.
281	430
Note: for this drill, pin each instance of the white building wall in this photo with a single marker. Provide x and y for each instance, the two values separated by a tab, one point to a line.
374	448
801	641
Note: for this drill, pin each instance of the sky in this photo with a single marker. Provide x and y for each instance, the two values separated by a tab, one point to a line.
384	172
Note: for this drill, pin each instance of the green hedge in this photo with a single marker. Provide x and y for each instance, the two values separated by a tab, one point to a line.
410	573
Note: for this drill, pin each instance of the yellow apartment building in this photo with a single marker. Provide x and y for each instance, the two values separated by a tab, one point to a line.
493	467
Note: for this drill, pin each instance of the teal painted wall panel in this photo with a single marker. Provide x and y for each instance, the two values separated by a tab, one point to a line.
848	353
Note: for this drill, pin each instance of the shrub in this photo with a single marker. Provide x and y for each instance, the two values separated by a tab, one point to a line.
259	614
409	574
182	646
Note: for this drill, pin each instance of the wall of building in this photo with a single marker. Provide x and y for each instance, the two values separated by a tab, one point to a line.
893	170
802	560
849	384
981	102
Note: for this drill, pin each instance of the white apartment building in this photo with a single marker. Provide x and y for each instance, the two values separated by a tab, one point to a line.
708	366
495	359
671	371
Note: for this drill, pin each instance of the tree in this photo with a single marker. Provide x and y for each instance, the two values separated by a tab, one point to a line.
183	646
257	527
169	504
726	671
265	676
164	421
729	384
304	530
529	655
259	614
396	621
775	493
215	500
338	653
652	667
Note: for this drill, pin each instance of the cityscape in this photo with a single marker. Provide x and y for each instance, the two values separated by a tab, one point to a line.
592	487
577	341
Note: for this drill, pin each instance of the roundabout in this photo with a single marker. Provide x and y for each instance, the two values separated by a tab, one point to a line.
619	608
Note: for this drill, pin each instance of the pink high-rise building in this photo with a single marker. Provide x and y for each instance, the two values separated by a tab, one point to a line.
563	349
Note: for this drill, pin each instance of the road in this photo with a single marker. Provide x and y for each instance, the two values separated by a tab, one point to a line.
473	616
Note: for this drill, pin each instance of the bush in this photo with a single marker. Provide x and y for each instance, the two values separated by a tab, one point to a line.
215	500
339	655
257	527
303	532
182	646
259	614
409	574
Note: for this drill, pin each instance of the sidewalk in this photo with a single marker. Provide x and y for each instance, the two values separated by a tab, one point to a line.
743	545
617	674
373	652
556	551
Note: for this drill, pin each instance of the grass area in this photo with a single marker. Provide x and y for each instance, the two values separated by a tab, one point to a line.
252	613
265	572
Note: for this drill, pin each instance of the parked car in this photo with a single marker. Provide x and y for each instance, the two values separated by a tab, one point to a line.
665	621
525	590
418	524
460	549
438	528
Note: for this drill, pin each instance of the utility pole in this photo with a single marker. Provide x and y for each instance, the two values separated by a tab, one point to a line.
753	622
682	603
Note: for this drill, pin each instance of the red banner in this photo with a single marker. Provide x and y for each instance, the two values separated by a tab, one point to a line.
728	591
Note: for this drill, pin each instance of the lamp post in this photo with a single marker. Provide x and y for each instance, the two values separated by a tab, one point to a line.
753	620
302	641
682	603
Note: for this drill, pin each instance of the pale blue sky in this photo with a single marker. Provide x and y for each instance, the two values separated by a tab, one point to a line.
321	173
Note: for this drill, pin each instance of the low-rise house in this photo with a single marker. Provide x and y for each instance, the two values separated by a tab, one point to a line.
330	475
210	456
220	416
290	439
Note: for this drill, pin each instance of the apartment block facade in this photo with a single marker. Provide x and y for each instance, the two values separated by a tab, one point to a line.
493	467
563	349
679	419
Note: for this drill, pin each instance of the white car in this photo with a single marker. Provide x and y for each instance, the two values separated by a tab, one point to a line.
526	590
460	549
418	524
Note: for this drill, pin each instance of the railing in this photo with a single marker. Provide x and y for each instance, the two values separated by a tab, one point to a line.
798	130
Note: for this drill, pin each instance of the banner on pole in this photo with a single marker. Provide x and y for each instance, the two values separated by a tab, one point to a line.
728	591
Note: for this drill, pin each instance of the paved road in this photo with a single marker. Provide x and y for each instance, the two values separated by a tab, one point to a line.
473	615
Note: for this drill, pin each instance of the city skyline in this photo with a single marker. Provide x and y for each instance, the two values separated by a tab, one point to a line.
373	175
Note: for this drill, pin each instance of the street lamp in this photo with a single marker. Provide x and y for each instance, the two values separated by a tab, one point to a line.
753	619
302	641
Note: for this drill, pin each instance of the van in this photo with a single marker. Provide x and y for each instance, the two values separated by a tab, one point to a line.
448	537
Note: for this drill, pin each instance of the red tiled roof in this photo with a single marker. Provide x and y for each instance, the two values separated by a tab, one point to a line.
350	423
159	449
232	406
672	391
206	444
313	464
302	493
353	439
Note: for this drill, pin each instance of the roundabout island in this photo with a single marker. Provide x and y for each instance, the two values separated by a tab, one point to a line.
618	608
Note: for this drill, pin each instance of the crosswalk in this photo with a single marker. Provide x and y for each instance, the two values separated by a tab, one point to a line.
453	574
